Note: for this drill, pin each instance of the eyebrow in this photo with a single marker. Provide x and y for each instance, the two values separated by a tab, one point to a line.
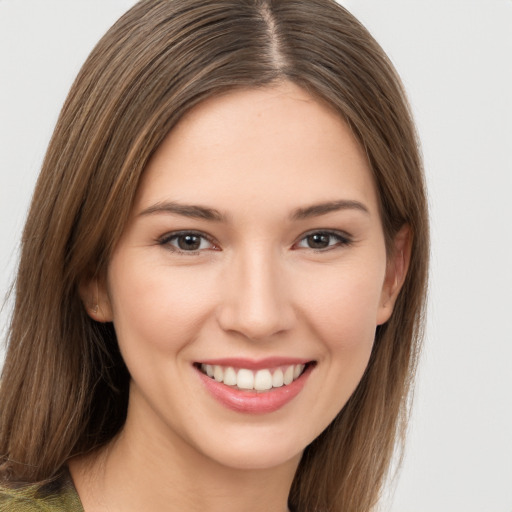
316	210
211	214
187	210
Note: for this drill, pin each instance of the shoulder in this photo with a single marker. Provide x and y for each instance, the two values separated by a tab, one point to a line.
18	500
56	496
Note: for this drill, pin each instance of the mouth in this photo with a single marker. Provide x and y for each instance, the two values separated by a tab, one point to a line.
254	387
259	380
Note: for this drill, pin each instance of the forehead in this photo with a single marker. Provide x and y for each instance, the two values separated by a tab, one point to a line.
271	146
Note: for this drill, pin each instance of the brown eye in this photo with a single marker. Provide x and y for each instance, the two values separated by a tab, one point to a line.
320	240
186	242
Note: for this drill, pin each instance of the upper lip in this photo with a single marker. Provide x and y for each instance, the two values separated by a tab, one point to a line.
255	364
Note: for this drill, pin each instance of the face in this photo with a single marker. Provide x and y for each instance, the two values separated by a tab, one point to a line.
248	284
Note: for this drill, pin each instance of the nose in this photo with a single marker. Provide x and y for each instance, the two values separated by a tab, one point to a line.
256	301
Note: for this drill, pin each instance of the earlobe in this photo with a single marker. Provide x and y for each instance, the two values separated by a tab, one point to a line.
396	272
96	301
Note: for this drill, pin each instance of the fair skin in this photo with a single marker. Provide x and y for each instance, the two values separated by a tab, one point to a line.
255	235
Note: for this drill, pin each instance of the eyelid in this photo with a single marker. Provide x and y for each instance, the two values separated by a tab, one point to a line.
165	240
344	239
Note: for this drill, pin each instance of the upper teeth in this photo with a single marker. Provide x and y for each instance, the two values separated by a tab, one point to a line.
260	380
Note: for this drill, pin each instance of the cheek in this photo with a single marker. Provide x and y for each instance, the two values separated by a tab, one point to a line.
342	316
346	302
156	310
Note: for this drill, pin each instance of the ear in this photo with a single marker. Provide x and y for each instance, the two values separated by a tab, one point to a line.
396	271
96	300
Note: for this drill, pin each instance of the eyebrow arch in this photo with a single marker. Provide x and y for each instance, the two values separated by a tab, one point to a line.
316	210
187	210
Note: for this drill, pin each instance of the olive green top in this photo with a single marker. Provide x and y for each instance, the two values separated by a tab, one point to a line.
57	496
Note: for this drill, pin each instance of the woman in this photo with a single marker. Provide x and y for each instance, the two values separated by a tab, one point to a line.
220	295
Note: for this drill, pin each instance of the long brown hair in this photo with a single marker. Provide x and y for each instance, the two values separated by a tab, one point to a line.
64	385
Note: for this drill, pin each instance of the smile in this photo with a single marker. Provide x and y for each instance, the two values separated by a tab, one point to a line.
260	380
254	387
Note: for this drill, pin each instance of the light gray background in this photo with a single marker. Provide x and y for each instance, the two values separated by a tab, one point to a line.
455	57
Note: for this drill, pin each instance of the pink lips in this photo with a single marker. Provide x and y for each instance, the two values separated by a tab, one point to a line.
254	402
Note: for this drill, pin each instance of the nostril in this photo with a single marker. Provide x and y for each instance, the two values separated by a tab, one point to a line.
255	325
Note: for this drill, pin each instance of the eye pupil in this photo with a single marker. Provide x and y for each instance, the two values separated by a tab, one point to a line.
189	242
318	241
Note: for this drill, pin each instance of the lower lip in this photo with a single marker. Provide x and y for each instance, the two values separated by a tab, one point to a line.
253	402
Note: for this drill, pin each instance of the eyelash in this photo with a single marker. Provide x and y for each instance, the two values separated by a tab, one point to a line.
342	240
166	241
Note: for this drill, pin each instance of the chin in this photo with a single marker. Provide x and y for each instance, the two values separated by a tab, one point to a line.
254	456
